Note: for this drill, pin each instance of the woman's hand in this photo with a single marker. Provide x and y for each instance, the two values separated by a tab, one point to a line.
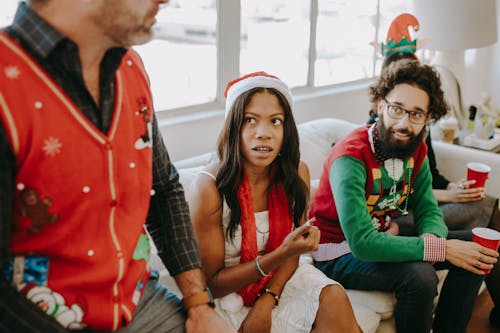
460	192
302	240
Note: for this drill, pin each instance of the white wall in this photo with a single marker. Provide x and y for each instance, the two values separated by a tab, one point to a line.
483	73
494	76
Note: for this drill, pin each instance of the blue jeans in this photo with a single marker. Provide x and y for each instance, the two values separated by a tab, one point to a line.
415	287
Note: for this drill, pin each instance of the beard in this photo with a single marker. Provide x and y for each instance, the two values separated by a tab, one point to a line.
394	148
123	26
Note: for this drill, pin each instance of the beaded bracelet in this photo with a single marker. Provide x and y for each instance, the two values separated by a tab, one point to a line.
270	292
258	268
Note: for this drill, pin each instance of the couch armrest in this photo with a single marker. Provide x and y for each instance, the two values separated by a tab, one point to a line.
452	159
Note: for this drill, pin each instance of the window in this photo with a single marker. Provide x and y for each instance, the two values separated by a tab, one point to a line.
275	38
200	45
345	30
7	11
181	59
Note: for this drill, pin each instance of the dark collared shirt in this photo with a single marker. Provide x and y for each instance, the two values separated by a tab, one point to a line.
168	220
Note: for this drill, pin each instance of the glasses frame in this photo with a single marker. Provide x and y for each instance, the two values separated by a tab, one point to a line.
410	113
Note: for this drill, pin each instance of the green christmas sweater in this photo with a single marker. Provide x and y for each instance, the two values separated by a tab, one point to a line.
357	196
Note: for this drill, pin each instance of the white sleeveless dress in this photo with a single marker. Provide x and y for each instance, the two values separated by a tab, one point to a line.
299	300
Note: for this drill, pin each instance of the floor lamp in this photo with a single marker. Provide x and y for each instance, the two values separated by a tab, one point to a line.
455	26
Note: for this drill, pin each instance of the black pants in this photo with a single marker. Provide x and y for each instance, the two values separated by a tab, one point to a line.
461	218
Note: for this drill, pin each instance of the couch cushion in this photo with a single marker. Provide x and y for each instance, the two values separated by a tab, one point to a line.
367	319
199	160
316	138
187	175
381	302
190	167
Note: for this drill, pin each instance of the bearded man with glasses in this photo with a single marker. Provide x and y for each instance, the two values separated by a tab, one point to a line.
377	173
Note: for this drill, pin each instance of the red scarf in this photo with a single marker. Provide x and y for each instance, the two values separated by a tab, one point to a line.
280	225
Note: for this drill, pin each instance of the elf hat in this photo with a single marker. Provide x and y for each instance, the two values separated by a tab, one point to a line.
254	80
398	37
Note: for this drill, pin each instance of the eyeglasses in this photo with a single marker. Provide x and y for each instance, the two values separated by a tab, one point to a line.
398	112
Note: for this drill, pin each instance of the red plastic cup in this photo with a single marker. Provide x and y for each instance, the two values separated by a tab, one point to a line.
478	172
488	238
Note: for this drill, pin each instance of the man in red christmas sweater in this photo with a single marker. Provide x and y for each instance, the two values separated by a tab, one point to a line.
84	174
377	173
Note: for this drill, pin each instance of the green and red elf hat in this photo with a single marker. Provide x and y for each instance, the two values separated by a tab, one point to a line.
398	37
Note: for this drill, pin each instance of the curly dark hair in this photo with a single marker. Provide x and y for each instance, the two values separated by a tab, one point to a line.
229	176
414	73
396	57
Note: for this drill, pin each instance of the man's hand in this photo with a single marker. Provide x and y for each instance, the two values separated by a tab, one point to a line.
393	229
201	318
470	256
204	319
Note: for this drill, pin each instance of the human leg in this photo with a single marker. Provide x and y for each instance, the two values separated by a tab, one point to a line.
493	279
468	215
309	299
458	294
493	284
335	312
461	218
483	213
159	311
414	284
456	300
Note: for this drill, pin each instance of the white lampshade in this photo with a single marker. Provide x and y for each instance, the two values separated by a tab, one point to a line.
455	25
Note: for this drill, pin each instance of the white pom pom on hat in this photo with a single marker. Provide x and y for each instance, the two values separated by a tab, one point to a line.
254	80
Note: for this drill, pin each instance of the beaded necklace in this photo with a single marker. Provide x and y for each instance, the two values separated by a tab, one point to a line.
409	172
381	156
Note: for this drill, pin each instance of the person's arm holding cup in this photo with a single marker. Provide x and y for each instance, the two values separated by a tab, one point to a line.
477	256
470	256
465	190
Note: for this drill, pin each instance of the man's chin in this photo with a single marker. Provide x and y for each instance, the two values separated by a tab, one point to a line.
142	37
403	149
401	144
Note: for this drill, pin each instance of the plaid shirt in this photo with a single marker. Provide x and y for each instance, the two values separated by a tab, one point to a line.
168	220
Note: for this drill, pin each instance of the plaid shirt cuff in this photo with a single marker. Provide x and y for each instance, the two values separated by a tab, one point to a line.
434	248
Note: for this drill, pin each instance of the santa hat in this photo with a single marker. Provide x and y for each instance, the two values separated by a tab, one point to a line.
254	80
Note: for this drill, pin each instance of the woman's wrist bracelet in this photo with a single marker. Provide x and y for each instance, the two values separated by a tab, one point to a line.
258	268
270	292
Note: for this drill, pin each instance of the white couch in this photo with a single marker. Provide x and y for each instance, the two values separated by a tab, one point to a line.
373	309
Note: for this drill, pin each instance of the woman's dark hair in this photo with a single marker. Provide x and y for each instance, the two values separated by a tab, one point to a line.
230	174
414	73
